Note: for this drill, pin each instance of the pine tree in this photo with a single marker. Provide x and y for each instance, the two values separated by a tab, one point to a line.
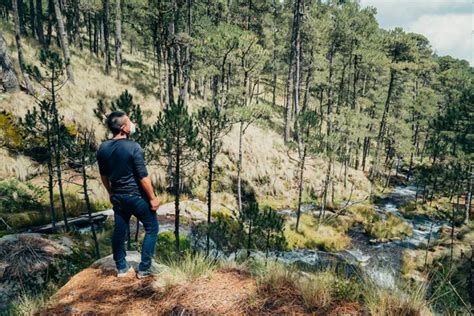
177	137
52	79
213	125
82	155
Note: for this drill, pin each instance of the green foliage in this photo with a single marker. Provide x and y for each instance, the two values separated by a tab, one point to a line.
213	125
177	137
312	234
16	196
165	245
177	134
262	228
31	303
11	133
226	233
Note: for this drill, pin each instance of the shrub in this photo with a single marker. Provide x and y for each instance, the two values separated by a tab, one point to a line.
405	299
317	290
408	263
191	266
185	269
320	289
165	245
362	213
11	132
30	303
438	210
273	274
392	227
16	196
312	235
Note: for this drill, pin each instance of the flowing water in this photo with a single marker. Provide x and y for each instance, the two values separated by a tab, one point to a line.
379	260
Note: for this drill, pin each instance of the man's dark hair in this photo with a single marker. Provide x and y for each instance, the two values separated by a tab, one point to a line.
115	121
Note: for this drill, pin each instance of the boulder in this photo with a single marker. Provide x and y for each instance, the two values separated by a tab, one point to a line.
192	209
107	264
8	78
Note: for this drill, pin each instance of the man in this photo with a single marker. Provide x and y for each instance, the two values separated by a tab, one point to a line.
123	172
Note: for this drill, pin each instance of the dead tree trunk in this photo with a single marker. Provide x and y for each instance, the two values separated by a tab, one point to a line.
19	46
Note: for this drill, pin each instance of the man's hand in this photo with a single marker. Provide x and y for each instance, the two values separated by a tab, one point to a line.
145	183
154	204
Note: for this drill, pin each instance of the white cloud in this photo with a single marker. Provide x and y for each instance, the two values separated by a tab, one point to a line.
449	34
448	24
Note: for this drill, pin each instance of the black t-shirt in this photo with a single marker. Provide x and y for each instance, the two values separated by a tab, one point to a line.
122	162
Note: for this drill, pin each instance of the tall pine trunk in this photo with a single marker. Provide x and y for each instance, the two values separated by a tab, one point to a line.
88	203
239	168
105	21
468	198
50	173
176	196
210	166
39	21
118	38
383	123
300	187
32	18
58	148
64	41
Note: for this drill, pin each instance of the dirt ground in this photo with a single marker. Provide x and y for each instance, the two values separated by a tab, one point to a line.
95	292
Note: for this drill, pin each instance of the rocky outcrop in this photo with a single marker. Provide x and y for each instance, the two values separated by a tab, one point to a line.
8	79
97	291
194	209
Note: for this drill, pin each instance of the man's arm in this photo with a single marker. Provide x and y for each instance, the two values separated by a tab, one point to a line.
145	181
146	185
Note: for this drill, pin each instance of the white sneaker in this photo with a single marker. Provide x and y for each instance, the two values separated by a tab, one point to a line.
124	272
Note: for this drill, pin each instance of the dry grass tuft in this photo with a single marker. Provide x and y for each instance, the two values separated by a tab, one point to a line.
317	290
392	227
403	300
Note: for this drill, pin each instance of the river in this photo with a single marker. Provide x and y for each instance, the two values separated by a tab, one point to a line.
381	261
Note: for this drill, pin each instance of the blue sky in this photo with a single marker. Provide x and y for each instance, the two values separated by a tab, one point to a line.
448	24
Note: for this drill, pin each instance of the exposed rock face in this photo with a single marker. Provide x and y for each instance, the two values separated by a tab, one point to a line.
8	79
28	261
107	264
192	209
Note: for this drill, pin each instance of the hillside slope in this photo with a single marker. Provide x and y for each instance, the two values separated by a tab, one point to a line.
267	167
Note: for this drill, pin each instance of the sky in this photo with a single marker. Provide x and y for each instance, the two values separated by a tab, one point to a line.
448	24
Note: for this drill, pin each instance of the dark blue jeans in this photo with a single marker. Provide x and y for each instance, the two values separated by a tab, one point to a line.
126	205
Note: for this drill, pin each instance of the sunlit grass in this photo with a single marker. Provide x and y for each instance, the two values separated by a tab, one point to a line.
405	299
312	235
392	227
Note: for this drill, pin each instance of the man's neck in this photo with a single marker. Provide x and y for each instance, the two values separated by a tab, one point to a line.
120	136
